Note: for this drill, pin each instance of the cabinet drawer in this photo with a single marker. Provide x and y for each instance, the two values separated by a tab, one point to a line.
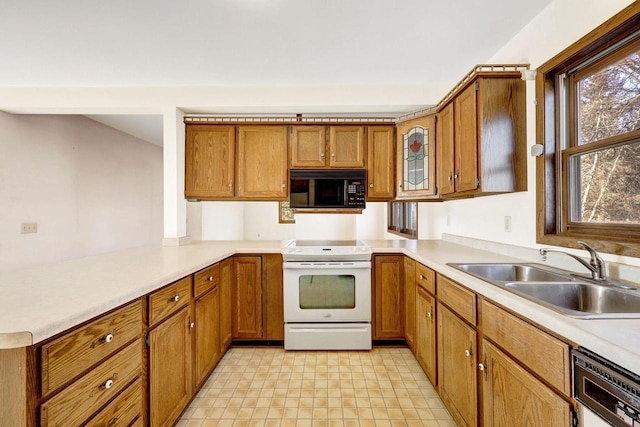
206	279
77	402
426	278
123	410
541	353
70	355
458	298
169	300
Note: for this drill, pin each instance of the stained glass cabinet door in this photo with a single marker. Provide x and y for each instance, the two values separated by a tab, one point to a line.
416	158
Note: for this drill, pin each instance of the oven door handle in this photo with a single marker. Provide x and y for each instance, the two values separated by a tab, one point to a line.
326	265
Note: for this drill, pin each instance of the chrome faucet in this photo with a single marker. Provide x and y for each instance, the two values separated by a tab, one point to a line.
596	264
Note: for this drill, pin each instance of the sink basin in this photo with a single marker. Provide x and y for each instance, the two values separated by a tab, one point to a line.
511	272
559	290
581	299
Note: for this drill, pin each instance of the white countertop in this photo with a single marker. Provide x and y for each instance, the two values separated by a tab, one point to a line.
40	302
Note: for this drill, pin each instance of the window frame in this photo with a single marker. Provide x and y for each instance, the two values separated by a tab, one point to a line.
402	229
552	167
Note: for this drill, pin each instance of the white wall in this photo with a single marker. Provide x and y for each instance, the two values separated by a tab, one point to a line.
90	188
562	23
259	221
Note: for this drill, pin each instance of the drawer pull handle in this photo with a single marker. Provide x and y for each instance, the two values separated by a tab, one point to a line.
422	277
175	298
107	338
107	384
210	278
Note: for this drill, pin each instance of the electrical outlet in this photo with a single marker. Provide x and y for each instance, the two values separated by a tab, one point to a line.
29	227
507	224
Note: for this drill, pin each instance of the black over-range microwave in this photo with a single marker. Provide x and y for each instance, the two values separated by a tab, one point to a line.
335	189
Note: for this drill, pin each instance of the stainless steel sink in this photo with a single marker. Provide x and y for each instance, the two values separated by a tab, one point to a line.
586	300
559	290
511	272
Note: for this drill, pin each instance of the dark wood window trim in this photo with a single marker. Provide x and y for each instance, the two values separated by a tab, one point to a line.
405	227
550	229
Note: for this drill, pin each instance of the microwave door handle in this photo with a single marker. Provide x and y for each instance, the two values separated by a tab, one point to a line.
345	195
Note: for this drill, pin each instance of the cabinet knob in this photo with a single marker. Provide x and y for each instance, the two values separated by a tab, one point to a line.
449	177
333	154
455	176
175	298
230	184
468	353
481	366
429	314
283	185
322	154
421	277
192	325
108	384
210	278
371	185
107	338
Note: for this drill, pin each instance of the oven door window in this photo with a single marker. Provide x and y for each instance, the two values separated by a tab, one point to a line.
331	291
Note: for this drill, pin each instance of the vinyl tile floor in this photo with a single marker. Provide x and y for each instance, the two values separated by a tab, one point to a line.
272	387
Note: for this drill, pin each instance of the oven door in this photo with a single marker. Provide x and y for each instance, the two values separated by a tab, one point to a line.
327	292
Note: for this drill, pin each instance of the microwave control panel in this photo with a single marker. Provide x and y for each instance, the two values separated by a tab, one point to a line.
355	193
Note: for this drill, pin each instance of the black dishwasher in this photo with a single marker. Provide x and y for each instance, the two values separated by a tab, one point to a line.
607	389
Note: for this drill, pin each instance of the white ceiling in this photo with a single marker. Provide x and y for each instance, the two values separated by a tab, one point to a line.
203	43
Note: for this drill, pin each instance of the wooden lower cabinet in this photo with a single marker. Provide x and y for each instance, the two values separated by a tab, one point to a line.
273	297
207	334
388	297
457	372
226	302
170	368
247	298
410	303
425	320
511	396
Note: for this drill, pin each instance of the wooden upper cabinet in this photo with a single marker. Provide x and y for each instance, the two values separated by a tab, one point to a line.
308	146
415	154
262	162
481	139
380	159
209	162
346	146
445	159
466	140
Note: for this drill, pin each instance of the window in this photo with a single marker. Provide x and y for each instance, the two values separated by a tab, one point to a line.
589	124
402	219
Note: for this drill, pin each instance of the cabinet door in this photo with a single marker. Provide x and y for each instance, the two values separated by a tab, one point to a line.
380	159
226	302
416	158
170	364
346	145
511	396
444	138
466	140
410	302
209	162
207	334
273	299
247	319
457	375
308	146
262	162
389	300
426	333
